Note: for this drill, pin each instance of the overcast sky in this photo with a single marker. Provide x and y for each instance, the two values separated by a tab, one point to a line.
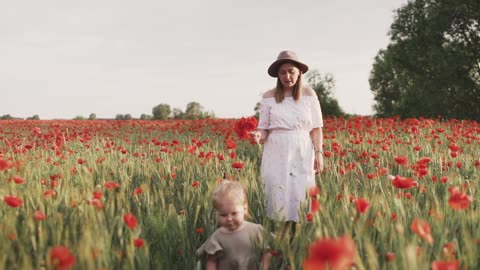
61	59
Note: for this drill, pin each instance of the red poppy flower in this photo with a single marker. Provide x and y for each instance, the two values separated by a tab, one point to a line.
328	253
5	164
401	160
199	230
96	203
13	201
313	191
61	258
139	242
458	200
422	229
362	205
237	165
97	195
244	126
18	180
403	182
110	185
39	215
445	265
195	184
315	207
390	256
309	216
231	144
130	220
138	191
454	148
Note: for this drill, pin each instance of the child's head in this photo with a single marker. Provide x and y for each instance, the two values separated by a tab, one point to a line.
230	201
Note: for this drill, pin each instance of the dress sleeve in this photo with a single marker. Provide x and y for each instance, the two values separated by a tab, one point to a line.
210	247
317	119
264	119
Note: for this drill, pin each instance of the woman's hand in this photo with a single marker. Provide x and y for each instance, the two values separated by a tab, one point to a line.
256	136
318	163
259	135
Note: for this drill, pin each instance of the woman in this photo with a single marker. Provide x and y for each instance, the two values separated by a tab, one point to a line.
290	126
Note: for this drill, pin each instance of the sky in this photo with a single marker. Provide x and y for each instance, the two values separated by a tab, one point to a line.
62	59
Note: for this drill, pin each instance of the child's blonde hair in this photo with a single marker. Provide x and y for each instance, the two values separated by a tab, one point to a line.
231	190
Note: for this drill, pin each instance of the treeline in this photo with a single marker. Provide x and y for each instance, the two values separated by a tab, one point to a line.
431	68
9	117
324	86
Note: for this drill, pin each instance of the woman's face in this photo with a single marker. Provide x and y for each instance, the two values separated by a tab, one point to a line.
288	74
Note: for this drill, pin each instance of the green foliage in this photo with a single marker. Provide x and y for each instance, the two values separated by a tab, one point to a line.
79	117
6	117
145	117
92	116
177	113
34	117
324	87
123	117
194	111
161	112
432	65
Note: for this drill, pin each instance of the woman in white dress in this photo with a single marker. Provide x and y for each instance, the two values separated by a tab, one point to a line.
290	126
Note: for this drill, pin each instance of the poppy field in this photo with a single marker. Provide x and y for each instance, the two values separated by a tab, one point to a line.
106	194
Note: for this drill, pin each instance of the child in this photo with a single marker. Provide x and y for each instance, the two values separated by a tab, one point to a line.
232	245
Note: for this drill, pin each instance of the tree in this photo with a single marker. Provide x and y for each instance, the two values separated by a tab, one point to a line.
432	65
161	112
177	113
34	117
79	117
193	111
145	117
324	87
92	116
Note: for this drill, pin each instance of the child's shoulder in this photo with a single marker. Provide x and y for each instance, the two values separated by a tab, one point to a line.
253	226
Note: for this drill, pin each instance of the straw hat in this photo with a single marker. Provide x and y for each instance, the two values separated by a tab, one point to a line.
286	57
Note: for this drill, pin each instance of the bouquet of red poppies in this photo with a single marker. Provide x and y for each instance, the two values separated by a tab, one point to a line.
244	126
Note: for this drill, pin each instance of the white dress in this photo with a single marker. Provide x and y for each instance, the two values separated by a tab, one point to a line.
288	157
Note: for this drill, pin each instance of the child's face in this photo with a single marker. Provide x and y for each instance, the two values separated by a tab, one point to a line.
231	214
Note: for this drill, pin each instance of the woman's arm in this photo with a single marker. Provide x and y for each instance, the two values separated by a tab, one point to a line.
317	139
211	263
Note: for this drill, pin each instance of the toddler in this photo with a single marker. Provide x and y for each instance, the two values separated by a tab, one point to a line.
232	246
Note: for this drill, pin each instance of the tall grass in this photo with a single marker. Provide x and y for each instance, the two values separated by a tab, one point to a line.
175	216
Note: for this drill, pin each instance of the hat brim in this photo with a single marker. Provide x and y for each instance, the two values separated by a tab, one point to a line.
273	69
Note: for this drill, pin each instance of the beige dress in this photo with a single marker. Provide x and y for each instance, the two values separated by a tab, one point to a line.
235	250
287	160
